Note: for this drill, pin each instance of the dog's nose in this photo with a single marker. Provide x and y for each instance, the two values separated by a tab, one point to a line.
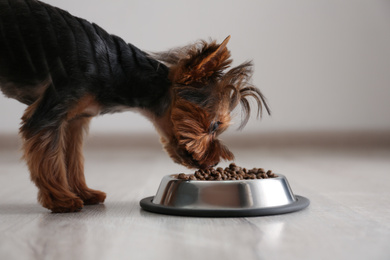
207	166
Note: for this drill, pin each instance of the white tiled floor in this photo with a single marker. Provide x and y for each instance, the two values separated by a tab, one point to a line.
349	215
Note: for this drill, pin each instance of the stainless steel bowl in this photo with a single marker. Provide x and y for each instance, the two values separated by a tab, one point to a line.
224	198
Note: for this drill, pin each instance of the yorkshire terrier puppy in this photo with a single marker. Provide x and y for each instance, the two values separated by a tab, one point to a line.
67	70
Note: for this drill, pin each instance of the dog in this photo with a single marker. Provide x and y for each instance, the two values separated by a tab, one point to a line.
68	70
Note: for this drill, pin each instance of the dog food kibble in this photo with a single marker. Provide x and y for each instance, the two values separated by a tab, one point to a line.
233	172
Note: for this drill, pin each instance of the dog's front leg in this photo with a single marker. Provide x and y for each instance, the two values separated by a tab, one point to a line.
75	162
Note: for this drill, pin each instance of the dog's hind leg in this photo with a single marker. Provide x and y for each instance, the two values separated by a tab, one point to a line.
44	131
75	162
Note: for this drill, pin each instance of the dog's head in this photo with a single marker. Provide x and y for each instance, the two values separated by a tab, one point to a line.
203	95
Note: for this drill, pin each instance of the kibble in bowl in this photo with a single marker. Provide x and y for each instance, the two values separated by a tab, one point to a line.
232	172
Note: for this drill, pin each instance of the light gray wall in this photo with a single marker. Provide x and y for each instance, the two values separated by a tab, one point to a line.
323	65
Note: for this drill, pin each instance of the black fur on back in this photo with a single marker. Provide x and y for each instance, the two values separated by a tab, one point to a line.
39	42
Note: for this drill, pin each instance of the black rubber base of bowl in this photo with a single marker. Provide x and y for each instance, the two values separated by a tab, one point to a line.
299	204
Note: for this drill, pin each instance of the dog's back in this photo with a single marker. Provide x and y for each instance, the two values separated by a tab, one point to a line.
29	48
42	45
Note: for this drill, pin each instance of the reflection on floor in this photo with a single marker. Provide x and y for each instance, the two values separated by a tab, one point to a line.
346	178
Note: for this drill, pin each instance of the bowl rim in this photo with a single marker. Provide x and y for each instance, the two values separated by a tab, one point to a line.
279	176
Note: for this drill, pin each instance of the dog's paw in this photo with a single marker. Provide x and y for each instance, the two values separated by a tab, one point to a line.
65	206
92	197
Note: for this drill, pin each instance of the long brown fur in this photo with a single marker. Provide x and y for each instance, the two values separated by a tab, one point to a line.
205	95
54	158
45	153
75	162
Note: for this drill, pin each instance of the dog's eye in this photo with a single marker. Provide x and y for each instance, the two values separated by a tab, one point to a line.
214	126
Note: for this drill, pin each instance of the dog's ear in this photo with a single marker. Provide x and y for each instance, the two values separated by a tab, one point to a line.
212	63
203	63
